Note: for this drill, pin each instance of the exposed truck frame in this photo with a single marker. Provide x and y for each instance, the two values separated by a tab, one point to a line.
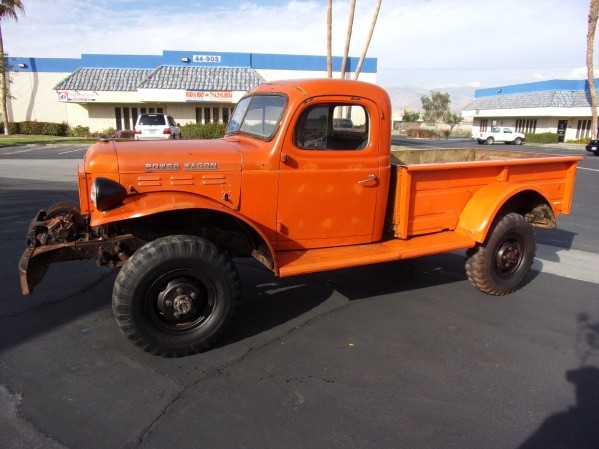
301	190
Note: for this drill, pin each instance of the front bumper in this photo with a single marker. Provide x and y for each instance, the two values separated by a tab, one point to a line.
37	257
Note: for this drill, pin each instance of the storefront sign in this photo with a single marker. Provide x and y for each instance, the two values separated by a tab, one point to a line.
77	96
220	96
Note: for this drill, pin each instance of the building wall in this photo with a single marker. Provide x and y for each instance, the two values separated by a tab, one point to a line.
577	127
34	98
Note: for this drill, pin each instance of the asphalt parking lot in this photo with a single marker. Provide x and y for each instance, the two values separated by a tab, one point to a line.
398	355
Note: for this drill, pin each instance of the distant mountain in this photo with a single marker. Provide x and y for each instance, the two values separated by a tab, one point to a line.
408	97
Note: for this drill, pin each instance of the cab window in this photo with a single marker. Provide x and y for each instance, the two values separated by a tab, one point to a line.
333	127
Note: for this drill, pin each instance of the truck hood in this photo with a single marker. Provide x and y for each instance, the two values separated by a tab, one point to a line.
210	168
160	156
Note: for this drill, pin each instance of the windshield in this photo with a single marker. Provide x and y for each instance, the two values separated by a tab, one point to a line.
258	115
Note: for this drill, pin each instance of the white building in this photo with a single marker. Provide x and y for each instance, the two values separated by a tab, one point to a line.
109	91
556	106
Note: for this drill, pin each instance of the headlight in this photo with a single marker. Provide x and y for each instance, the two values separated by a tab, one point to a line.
106	193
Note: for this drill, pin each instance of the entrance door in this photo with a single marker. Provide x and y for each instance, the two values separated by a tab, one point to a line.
328	179
562	125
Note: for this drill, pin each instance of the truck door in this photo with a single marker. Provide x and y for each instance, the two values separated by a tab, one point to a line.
329	177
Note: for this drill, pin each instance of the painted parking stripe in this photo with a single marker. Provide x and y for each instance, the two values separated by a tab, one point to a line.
570	263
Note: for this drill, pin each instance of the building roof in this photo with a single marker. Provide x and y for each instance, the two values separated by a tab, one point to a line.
163	77
202	78
121	80
547	99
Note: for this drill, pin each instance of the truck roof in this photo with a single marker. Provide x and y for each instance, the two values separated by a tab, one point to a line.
312	87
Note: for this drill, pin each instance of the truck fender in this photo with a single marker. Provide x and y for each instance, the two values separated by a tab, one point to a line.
480	211
144	205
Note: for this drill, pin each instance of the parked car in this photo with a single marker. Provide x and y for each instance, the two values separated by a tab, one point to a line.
593	147
156	126
499	134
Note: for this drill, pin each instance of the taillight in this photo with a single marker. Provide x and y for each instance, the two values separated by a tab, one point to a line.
137	131
166	131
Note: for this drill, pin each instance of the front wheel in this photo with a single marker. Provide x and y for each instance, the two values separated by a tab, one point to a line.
174	296
500	264
489	140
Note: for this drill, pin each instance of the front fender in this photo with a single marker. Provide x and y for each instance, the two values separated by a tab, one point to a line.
480	211
137	206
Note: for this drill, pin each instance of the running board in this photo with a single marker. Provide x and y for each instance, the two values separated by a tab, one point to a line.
321	259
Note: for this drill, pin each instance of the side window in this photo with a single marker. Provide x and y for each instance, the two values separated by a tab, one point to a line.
333	127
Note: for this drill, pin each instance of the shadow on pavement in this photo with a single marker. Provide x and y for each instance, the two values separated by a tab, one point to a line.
578	427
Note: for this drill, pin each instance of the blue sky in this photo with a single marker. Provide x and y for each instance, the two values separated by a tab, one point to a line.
423	43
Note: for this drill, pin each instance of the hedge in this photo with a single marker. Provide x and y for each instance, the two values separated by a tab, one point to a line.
541	138
33	127
206	131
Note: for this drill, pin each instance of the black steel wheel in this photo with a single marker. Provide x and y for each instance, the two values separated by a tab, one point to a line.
500	264
174	296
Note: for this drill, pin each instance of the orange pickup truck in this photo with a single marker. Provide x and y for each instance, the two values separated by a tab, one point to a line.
305	179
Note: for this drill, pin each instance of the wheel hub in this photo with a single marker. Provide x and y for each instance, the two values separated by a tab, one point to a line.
179	301
508	257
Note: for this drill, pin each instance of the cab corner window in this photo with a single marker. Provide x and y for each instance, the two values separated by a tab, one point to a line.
333	127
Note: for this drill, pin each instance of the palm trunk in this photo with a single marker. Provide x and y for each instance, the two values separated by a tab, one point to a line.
372	25
330	38
4	86
593	14
350	24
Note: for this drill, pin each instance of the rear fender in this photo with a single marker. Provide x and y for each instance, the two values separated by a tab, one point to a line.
480	211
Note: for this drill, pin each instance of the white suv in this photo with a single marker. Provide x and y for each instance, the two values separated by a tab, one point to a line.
156	126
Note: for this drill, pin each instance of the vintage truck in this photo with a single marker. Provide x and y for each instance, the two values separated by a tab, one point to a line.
305	179
499	134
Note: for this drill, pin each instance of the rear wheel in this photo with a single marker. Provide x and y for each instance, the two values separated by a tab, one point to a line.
500	264
518	141
174	296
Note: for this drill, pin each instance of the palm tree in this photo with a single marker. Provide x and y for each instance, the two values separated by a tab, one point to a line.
8	10
593	14
330	38
367	44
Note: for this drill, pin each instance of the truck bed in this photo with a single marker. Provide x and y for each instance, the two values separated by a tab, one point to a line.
429	188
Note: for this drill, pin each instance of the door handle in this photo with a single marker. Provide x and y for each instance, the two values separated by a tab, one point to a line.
372	177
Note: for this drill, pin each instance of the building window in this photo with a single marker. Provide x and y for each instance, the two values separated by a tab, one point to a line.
483	125
198	115
117	116
583	129
215	114
526	126
206	115
225	115
126	118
